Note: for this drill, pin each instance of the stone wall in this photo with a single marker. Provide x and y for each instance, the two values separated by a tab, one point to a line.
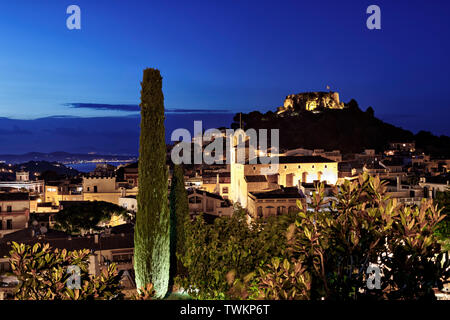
310	101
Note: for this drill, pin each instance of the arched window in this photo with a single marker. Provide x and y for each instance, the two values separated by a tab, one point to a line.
292	209
270	211
281	210
260	212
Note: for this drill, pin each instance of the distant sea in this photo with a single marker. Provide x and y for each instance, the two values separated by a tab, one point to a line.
90	166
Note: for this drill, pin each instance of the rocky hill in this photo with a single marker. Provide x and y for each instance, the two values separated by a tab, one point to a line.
348	129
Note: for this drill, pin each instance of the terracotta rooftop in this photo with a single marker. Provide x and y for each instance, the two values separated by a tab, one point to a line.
257	178
14	196
301	159
284	193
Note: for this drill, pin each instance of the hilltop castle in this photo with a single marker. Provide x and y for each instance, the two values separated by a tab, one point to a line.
310	101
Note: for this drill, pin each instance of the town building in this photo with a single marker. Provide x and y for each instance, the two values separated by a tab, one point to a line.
290	171
402	146
64	190
14	212
275	202
404	193
201	201
195	181
334	155
130	173
105	189
103	170
23	182
434	184
219	183
428	166
129	203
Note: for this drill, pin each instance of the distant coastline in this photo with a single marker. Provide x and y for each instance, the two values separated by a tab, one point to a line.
90	166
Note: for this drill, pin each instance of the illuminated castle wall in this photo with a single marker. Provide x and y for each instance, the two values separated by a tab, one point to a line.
311	101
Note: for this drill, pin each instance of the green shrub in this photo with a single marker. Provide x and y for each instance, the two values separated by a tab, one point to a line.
326	252
363	226
230	243
42	274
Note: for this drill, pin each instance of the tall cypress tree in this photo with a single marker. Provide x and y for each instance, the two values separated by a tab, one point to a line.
179	216
151	235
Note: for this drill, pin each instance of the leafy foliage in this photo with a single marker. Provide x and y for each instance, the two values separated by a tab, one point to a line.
325	253
230	243
284	281
278	280
42	274
363	226
414	265
443	229
145	293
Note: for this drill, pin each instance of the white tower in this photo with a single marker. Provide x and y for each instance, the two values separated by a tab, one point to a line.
22	176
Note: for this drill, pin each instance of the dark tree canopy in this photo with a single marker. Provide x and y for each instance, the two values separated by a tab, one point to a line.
370	111
179	217
50	175
152	237
86	215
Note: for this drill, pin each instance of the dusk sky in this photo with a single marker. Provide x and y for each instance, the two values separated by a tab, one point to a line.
222	55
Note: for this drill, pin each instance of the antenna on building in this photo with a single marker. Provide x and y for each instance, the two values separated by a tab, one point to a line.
240	120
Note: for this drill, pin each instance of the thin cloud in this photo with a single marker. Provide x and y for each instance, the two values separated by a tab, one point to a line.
134	108
102	106
196	111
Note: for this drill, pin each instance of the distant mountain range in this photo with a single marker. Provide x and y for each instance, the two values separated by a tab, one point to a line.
102	135
62	157
49	171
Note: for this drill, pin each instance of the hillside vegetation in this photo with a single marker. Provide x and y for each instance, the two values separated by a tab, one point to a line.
348	130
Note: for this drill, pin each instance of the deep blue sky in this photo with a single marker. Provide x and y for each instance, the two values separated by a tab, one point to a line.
226	55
